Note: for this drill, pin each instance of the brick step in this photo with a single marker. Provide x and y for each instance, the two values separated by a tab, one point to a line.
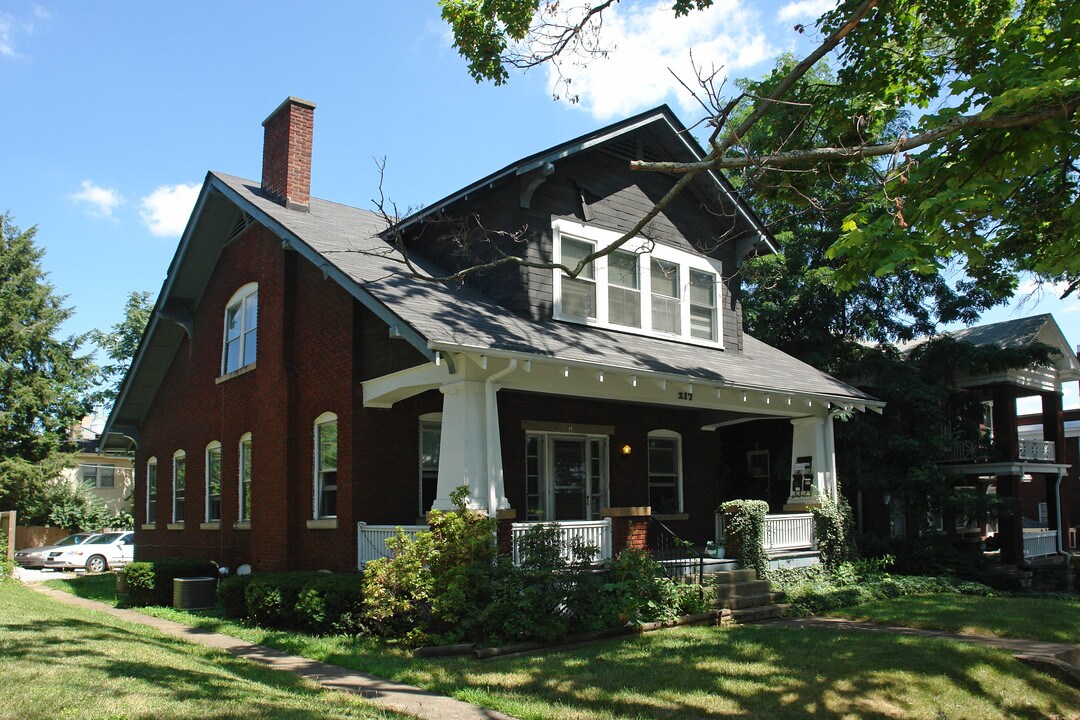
763	612
733	576
748	601
741	589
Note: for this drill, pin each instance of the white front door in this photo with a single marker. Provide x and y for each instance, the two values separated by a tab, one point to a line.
566	476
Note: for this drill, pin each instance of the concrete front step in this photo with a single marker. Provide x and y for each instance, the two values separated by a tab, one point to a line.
754	614
741	589
734	576
748	601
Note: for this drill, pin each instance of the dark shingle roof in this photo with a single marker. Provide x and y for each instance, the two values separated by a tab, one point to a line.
1018	333
443	316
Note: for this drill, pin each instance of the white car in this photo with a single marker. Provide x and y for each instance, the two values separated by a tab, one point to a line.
98	554
34	557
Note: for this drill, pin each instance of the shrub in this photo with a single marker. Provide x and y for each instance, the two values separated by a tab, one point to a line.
7	566
744	532
151	582
231	595
834	531
309	602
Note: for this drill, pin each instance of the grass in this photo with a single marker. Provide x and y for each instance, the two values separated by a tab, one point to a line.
1055	619
699	672
59	661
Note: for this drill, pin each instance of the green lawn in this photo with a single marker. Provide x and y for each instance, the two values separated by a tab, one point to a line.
698	672
1035	618
58	661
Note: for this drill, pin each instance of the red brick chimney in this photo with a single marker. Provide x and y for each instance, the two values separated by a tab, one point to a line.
286	170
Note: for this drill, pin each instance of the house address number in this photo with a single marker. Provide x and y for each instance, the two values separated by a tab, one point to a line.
684	395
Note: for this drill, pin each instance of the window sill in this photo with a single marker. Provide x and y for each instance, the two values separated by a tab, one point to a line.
235	373
215	525
322	524
246	525
672	516
148	526
175	526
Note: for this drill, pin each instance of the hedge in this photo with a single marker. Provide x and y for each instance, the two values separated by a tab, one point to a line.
309	602
150	582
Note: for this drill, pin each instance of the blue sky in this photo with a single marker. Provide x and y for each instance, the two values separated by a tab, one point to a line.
115	112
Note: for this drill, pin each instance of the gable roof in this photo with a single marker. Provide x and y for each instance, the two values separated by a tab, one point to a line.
345	243
1024	333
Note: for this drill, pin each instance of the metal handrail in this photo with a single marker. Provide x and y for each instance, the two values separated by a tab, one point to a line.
678	558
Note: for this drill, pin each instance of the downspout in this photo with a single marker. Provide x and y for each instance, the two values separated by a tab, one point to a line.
1057	505
491	421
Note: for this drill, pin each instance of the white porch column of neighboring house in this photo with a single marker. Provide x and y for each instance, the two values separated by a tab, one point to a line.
812	458
830	457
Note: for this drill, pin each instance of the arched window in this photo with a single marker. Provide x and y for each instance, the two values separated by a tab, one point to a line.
665	472
430	439
179	481
241	321
245	478
213	482
326	452
151	490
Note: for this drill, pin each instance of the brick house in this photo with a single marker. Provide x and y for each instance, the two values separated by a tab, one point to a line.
296	381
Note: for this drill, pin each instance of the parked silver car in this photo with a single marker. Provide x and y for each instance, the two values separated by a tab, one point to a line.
34	557
98	554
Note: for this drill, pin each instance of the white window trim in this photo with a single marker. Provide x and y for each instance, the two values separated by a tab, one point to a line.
150	516
211	447
670	434
240	454
178	455
428	419
646	250
316	485
240	297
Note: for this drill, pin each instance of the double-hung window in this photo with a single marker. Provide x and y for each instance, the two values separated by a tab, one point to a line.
179	485
151	490
326	452
430	440
213	482
245	478
642	287
98	476
665	472
241	322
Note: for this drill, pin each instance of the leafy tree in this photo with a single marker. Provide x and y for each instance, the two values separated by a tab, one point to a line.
44	380
985	173
121	342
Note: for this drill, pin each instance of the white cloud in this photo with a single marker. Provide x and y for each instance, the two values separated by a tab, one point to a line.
647	40
7	36
804	10
166	210
12	27
97	200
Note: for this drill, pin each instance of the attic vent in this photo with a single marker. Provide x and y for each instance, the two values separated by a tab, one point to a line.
632	148
243	222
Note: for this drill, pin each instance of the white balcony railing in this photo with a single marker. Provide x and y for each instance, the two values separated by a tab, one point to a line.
1039	450
590	533
371	540
789	531
961	451
1040	543
785	531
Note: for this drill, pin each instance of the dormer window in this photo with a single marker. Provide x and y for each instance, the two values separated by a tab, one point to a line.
241	321
642	288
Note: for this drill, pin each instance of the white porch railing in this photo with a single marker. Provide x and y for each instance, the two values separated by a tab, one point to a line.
784	531
1040	543
1041	450
591	533
961	450
789	531
371	540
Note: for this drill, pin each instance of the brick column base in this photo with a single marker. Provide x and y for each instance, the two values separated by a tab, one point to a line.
629	528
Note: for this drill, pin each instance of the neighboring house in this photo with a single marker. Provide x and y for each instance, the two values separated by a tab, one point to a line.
1028	459
109	478
296	380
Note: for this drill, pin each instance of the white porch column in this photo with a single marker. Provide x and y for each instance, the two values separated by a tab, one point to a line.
830	458
809	460
463	447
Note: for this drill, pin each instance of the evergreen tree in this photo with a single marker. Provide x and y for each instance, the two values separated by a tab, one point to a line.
122	341
45	382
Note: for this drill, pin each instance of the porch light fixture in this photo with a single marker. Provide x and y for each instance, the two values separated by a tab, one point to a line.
566	371
633	381
626	449
600	376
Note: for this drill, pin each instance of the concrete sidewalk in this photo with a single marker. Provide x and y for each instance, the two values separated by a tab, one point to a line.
393	696
1060	659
